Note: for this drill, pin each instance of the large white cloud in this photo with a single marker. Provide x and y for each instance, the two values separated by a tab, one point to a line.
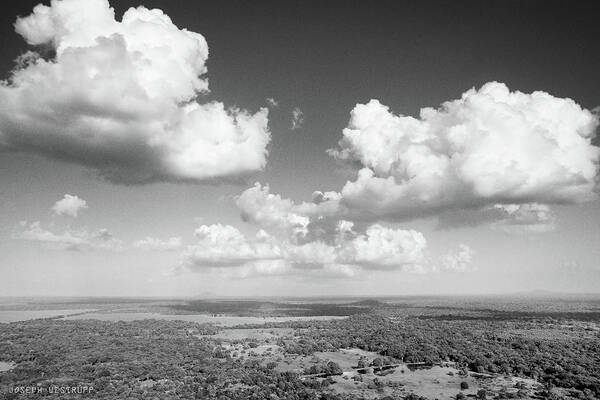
491	146
69	205
121	97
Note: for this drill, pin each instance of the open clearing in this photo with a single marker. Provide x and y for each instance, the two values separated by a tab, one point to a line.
6	366
437	382
432	383
260	334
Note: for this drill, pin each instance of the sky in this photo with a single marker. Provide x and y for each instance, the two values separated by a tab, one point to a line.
157	148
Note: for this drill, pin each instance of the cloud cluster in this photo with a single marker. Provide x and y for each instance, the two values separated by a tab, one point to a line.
75	240
69	205
313	236
491	146
380	247
493	156
121	97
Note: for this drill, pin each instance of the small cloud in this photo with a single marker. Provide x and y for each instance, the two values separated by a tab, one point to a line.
150	243
272	102
297	118
458	260
69	205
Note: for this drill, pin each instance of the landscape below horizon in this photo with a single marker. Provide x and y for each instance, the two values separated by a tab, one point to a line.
404	347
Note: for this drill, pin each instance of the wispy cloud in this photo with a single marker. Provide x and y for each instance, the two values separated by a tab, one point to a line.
75	240
154	244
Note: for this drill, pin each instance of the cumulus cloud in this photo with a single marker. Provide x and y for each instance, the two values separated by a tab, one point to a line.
384	248
297	118
301	221
257	205
380	247
224	245
69	205
76	240
155	244
491	146
121	97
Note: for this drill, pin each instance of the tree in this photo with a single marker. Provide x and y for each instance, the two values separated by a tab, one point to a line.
334	369
378	362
